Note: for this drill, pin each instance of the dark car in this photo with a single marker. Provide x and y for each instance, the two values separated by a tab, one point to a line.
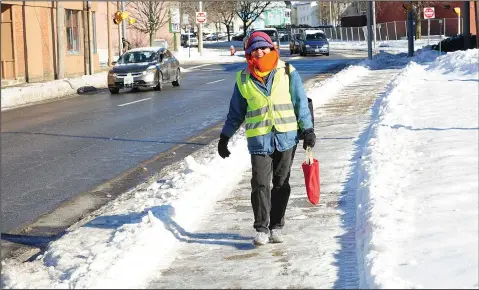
295	43
238	36
314	42
144	67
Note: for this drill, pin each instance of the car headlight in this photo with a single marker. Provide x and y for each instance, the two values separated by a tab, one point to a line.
307	45
150	70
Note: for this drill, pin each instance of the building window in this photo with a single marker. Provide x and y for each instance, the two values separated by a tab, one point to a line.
93	20
72	29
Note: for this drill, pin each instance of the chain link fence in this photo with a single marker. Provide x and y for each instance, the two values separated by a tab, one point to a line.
396	30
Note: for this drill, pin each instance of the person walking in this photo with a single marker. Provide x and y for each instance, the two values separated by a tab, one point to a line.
273	105
126	45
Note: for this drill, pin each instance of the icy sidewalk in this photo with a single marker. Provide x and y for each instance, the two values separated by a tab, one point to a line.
320	248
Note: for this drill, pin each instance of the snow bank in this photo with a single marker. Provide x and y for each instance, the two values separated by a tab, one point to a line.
417	183
37	92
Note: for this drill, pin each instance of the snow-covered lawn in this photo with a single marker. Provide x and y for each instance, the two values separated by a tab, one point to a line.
417	213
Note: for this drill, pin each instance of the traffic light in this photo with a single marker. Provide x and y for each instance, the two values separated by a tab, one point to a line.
118	17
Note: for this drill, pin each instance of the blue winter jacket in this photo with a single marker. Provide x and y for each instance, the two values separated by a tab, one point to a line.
265	144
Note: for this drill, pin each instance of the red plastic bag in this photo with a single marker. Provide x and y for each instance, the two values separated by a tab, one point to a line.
311	177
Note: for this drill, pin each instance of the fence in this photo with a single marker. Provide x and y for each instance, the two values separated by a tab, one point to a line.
395	30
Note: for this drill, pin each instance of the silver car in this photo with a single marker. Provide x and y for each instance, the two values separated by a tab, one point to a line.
144	67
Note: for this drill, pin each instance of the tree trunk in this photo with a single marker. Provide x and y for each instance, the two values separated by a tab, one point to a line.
152	37
228	32
244	28
418	28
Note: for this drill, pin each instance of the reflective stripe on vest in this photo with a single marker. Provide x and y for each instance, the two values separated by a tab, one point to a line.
265	112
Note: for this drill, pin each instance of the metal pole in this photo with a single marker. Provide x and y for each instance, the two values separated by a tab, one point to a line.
374	23
395	30
200	33
120	43
440	40
428	30
387	32
108	24
410	34
458	24
60	49
444	28
123	23
370	36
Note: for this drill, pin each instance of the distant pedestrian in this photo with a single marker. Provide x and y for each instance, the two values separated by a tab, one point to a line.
126	45
273	104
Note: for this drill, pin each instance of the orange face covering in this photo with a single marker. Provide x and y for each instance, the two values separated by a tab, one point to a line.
264	65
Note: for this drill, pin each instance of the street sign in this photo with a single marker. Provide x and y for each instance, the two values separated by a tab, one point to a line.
457	10
429	13
175	15
200	17
175	27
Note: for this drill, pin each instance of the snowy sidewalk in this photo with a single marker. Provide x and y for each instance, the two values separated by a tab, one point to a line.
320	248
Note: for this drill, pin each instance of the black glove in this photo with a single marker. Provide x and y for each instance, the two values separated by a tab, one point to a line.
223	146
309	138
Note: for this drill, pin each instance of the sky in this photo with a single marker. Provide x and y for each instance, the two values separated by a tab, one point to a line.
415	205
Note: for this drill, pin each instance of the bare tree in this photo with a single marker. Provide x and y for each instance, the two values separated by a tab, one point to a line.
249	11
150	16
224	13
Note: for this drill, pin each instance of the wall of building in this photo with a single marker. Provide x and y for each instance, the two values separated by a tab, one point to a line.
34	41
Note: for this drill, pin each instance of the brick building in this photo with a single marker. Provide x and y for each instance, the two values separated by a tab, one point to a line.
389	11
29	39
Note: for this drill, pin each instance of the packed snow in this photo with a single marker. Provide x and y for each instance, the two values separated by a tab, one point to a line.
417	214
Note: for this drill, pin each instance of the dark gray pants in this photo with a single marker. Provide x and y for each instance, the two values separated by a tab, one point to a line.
269	205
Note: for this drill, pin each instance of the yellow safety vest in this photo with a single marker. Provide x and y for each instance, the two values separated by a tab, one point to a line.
265	112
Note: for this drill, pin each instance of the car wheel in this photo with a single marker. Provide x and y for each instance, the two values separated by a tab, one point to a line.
114	91
177	82
159	82
326	54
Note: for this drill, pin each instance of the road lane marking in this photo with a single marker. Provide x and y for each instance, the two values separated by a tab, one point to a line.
193	67
215	81
133	102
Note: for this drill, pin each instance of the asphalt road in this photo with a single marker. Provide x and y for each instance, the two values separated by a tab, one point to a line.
62	159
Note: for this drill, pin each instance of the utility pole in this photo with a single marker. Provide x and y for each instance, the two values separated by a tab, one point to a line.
370	36
466	26
123	23
60	38
410	34
90	36
200	33
108	24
